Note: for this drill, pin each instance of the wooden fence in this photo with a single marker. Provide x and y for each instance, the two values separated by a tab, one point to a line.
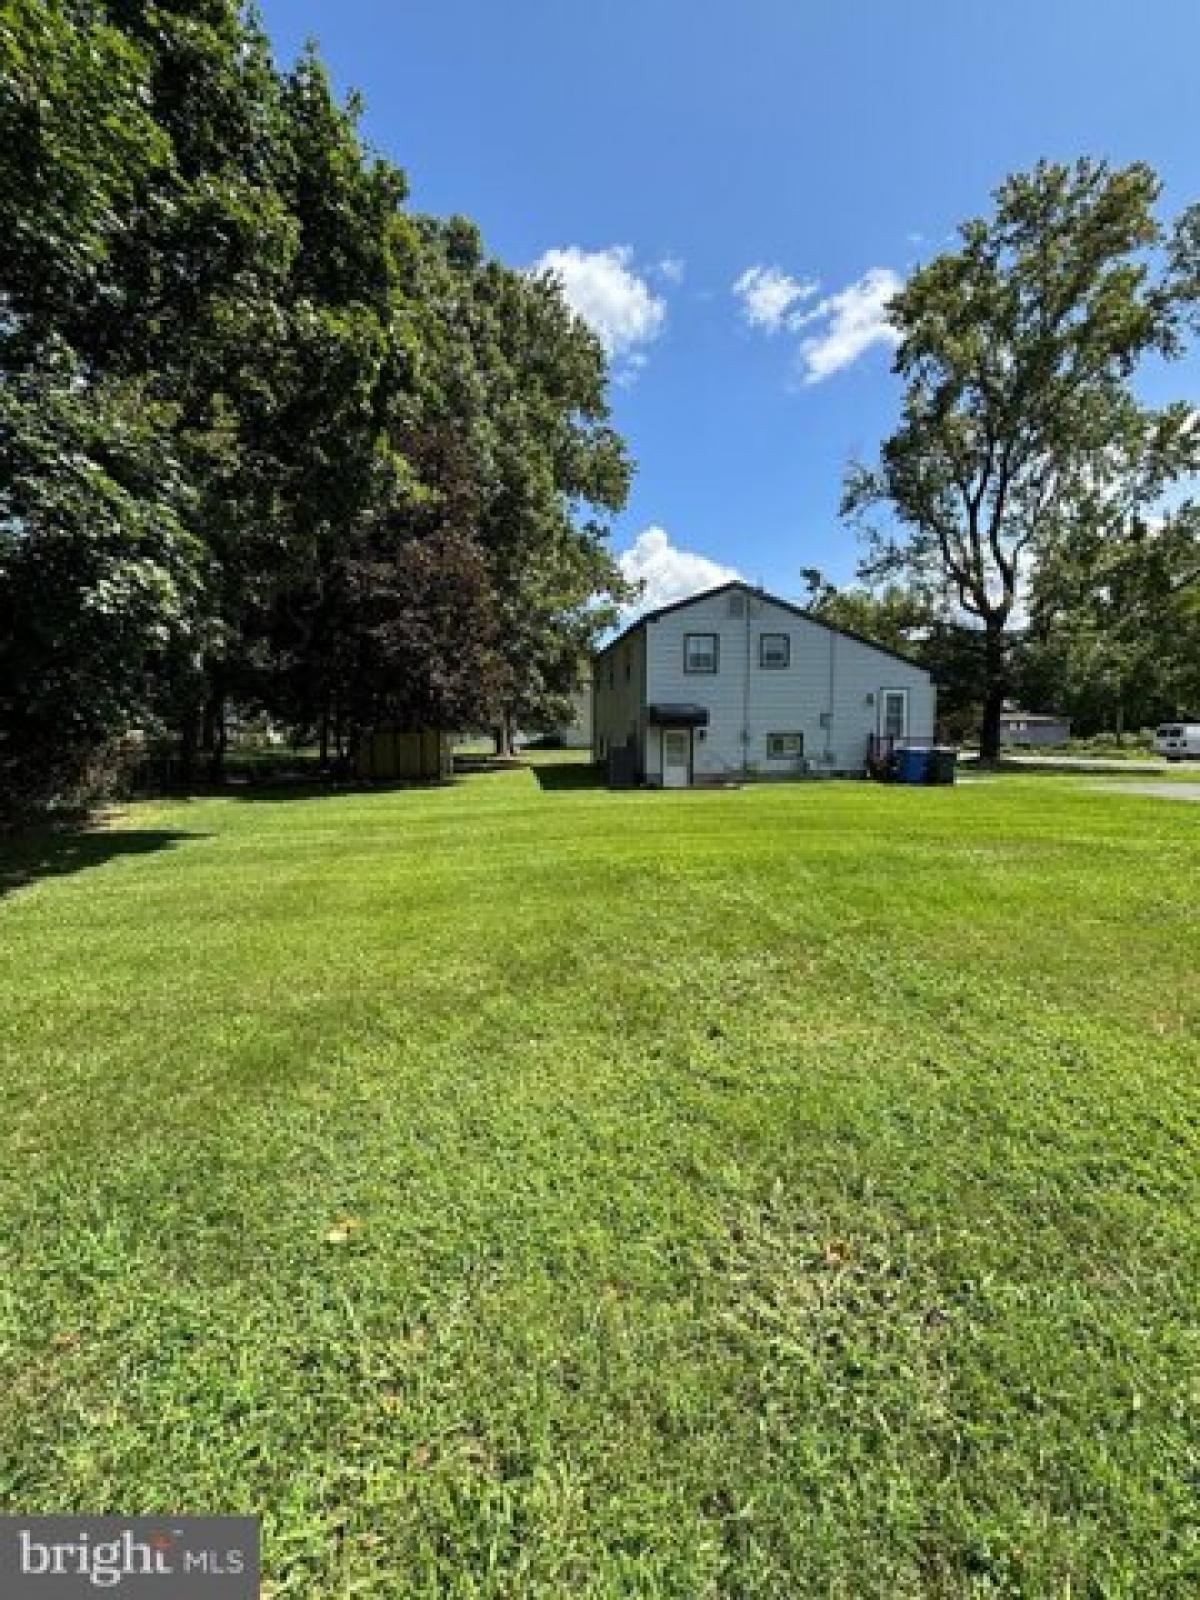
398	753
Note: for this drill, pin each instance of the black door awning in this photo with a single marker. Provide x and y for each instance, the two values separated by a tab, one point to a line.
677	716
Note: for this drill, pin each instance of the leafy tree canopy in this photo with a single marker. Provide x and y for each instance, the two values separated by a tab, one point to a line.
267	438
1019	422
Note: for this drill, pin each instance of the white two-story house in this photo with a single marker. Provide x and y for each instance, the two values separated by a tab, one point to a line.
737	683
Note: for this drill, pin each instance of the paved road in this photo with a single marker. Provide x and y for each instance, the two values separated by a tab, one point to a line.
1165	791
1149	766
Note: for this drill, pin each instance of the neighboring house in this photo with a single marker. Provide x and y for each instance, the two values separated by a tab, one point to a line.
735	682
1033	727
576	732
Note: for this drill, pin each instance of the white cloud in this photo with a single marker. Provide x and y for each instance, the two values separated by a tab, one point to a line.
768	296
602	287
841	326
672	269
850	322
668	572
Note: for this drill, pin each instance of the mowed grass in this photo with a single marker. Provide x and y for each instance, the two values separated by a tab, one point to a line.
517	1189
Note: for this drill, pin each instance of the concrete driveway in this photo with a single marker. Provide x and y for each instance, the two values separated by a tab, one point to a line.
1164	791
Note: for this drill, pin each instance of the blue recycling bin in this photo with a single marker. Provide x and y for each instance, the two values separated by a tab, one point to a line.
912	764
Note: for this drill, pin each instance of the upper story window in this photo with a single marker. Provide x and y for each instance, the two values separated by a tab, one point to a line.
774	651
700	652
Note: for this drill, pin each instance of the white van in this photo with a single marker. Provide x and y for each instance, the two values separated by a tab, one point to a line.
1178	741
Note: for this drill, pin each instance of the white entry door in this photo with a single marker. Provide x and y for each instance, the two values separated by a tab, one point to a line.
677	757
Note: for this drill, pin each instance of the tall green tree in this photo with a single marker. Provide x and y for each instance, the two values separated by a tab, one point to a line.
1017	352
319	414
894	616
266	439
1114	631
556	471
208	258
99	575
99	567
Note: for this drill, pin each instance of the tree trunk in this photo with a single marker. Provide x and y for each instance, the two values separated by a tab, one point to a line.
339	732
324	735
216	734
503	733
994	688
189	745
216	765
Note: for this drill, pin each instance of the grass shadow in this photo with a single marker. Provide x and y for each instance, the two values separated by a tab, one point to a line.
472	766
571	775
26	858
330	788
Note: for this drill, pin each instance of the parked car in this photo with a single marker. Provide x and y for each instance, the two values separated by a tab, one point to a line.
1178	741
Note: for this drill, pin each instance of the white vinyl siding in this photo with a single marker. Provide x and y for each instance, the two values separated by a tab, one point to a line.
829	692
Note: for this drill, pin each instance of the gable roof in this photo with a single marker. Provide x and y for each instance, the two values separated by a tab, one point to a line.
761	594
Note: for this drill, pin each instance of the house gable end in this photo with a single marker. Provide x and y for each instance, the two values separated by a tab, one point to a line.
767	599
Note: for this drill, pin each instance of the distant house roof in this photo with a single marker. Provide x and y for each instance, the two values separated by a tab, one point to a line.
1034	716
761	594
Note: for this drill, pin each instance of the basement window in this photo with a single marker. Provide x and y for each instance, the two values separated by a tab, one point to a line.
784	746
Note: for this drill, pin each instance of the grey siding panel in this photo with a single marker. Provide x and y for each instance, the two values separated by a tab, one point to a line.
618	709
720	750
861	674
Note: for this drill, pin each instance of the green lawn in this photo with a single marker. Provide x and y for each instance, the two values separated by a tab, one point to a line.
517	1189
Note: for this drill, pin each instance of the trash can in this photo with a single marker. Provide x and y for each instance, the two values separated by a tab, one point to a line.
622	767
943	764
912	764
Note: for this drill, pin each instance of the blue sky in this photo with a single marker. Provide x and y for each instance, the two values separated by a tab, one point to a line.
662	152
